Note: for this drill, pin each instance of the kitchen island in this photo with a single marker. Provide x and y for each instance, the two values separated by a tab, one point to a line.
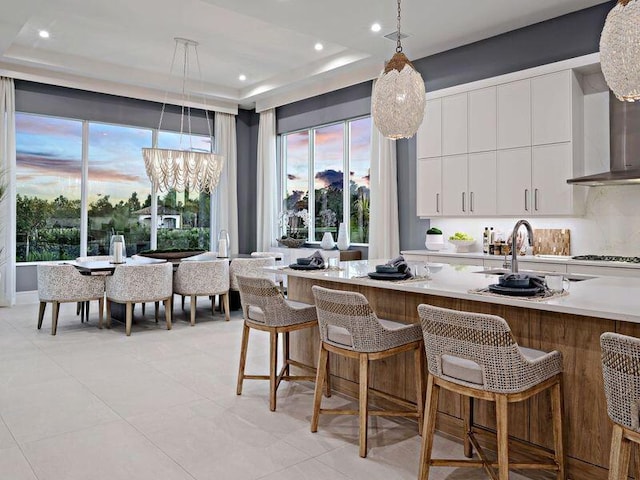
571	324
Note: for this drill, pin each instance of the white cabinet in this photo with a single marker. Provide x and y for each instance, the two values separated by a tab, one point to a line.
454	124
482	183
429	137
429	187
451	260
482	120
552	165
454	181
514	114
514	181
551	99
603	271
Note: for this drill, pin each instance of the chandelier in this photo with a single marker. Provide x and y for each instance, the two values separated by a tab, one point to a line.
183	169
398	96
620	50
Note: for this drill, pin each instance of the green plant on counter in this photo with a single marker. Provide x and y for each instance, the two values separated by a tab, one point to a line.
434	231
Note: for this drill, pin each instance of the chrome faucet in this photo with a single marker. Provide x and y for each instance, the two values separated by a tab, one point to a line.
514	234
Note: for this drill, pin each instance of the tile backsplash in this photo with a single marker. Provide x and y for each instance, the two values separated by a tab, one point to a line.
611	225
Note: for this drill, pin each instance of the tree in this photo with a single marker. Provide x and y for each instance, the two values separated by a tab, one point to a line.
31	214
101	207
134	202
147	202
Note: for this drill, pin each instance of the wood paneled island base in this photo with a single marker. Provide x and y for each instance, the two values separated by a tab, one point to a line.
587	426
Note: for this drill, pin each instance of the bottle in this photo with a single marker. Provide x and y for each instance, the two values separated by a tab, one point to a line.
485	240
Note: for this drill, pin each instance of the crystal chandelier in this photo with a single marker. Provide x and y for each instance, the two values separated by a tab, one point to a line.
620	50
183	169
398	96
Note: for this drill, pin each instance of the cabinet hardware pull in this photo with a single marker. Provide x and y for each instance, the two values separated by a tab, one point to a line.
463	202
471	202
535	199
526	202
437	203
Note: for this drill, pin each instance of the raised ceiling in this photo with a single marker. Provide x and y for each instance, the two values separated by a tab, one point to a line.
124	47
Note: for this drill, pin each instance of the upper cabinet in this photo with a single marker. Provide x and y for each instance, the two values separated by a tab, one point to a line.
551	100
514	114
454	125
482	120
429	137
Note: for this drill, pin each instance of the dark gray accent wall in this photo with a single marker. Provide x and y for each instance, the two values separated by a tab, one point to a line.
58	101
247	123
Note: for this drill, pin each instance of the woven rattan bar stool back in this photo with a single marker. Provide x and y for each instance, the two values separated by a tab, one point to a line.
265	309
621	372
349	327
476	356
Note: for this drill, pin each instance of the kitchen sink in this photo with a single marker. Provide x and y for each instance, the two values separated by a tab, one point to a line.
572	277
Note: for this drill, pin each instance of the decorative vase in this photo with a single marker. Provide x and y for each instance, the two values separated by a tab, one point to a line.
327	241
343	240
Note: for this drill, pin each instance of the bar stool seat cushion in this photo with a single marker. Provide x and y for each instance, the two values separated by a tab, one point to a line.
256	314
341	336
459	368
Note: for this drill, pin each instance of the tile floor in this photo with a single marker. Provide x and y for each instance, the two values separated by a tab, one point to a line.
93	404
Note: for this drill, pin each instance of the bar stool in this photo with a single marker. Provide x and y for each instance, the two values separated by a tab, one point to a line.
475	355
349	327
621	372
265	308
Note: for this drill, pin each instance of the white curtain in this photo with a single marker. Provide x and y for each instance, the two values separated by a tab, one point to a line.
266	191
225	198
384	230
7	203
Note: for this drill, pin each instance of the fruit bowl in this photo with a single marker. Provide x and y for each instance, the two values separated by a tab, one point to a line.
463	246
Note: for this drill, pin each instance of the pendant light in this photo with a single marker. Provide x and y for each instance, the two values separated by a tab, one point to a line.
620	50
398	96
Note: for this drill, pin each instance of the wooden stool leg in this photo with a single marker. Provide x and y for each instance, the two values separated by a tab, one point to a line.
285	347
557	412
55	309
417	360
108	313
273	369
467	417
323	359
43	307
226	306
502	430
620	453
192	309
363	402
100	311
243	357
128	318
168	309
327	378
429	427
636	461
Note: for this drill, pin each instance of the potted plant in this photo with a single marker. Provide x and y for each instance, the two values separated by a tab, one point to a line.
295	225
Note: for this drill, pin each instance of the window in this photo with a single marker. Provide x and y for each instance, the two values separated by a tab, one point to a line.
48	173
313	166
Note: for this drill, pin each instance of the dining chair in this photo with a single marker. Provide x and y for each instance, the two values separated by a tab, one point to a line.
203	278
250	267
59	283
132	284
82	308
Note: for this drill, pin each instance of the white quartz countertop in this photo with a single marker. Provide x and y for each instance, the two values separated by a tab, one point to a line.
615	298
565	260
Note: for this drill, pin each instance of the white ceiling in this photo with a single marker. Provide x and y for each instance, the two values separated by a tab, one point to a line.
125	46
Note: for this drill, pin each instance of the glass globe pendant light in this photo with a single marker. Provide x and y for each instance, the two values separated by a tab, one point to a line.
620	50
398	97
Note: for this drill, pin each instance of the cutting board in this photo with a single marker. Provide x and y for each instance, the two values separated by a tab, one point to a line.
552	241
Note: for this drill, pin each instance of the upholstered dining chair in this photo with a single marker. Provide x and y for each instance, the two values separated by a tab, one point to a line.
82	308
279	278
60	283
250	267
131	284
200	278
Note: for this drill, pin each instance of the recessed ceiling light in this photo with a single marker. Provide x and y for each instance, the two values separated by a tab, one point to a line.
318	46
43	34
242	77
376	27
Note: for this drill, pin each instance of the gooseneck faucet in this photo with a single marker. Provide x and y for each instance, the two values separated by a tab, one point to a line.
514	234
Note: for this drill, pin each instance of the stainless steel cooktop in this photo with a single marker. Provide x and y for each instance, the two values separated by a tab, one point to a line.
607	258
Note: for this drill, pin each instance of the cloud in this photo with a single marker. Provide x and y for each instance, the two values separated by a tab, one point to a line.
330	178
40	125
293	177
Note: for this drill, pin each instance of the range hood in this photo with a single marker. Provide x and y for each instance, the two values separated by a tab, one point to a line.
624	124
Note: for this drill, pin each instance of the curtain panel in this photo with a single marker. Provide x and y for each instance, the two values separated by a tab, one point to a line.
225	198
7	203
266	194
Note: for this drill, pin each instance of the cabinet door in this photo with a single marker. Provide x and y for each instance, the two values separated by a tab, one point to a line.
455	198
552	166
514	114
482	183
551	108
429	187
514	182
429	137
483	120
454	124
